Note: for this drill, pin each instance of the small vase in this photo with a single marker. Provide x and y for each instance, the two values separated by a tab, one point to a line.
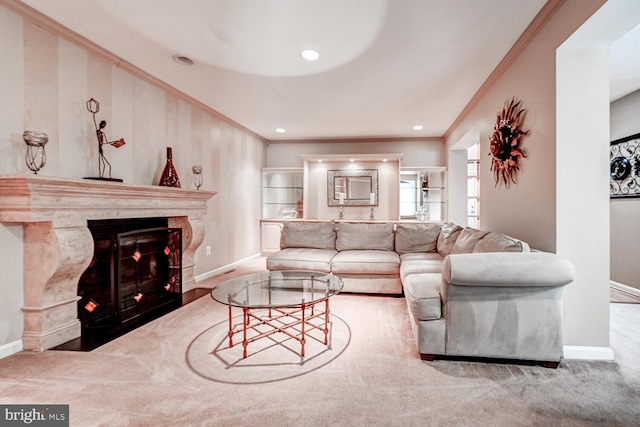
169	175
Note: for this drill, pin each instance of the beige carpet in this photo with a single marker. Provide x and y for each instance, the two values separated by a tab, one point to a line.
145	378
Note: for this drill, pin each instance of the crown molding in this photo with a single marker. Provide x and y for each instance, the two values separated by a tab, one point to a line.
360	139
38	18
355	157
546	13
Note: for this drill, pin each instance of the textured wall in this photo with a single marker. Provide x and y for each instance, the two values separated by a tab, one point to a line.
45	82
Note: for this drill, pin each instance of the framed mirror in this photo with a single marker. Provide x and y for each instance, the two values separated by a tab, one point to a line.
352	187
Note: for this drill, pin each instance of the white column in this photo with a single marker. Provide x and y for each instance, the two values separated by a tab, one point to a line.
582	191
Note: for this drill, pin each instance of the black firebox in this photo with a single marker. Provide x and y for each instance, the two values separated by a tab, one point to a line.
134	277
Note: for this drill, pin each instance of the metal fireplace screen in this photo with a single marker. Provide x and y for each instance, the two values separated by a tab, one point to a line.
149	270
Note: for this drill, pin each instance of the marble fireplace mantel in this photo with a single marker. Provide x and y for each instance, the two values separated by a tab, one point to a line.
58	245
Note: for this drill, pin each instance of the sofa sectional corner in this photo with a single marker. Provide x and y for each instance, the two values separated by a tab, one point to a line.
468	292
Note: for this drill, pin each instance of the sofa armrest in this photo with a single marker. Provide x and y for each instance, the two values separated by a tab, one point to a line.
513	269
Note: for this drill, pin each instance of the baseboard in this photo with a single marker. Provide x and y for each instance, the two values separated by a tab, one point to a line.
587	353
224	269
625	288
8	349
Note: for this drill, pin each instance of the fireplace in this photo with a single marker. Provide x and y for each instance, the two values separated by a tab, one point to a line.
58	246
135	276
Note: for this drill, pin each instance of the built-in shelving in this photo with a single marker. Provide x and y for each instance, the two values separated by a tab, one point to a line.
282	193
423	194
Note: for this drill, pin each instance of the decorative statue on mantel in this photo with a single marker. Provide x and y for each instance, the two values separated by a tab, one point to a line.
93	107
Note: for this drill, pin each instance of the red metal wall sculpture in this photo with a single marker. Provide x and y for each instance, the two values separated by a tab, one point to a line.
506	141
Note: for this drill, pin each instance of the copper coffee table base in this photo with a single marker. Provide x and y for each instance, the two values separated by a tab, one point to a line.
291	321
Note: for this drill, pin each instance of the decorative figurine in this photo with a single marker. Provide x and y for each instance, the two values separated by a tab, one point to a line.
93	107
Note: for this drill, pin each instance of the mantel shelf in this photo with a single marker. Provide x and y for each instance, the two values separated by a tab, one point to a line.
35	198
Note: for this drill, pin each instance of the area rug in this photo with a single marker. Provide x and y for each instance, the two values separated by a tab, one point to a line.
274	358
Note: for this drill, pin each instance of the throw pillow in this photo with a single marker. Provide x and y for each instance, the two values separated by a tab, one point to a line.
412	238
447	237
496	242
467	240
316	235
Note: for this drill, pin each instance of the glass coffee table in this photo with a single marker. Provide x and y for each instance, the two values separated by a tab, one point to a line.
278	302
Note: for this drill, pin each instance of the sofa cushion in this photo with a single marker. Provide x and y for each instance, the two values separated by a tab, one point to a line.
352	236
422	292
467	240
317	235
417	237
447	237
419	256
420	267
301	259
366	261
497	242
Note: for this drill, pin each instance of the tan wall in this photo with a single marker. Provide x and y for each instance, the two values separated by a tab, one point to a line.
526	210
45	82
625	227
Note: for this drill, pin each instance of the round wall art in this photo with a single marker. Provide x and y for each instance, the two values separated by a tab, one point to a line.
505	143
624	156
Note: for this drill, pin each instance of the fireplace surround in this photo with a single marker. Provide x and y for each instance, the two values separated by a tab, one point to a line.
58	246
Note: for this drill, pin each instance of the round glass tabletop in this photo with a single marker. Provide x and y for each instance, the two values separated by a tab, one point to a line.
273	289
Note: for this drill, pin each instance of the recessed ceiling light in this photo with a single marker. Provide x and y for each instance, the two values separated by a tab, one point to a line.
352	160
310	54
418	127
319	160
384	160
280	130
183	60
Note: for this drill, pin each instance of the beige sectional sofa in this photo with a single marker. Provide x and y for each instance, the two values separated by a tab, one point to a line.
468	292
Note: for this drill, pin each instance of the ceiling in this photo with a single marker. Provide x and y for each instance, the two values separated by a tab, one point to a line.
384	67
